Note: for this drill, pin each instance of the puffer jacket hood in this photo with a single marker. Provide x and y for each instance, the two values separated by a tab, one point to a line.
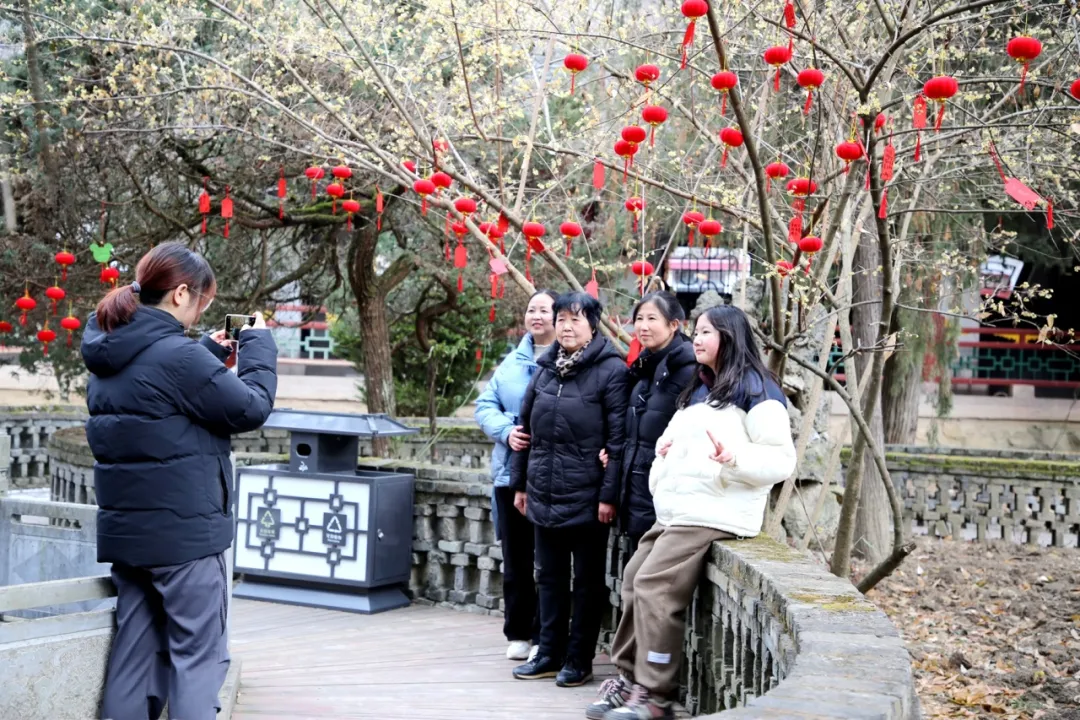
106	354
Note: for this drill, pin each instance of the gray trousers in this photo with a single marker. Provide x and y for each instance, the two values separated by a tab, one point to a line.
170	644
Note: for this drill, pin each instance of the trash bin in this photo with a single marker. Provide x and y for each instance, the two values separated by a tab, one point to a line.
319	531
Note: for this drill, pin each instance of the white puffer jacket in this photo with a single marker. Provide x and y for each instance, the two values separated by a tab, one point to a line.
691	489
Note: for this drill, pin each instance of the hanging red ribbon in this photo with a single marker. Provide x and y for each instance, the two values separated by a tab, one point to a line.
204	204
378	208
918	120
227	210
282	191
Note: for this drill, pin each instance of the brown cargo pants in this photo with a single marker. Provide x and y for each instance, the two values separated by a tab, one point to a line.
658	585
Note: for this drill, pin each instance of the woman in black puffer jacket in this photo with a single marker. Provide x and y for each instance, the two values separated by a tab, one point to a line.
574	408
662	371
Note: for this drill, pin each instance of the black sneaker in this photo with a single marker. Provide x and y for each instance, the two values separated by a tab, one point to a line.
539	667
573	676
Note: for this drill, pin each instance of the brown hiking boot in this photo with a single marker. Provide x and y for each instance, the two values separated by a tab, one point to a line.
642	705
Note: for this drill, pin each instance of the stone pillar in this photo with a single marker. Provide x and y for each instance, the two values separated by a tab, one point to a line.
5	463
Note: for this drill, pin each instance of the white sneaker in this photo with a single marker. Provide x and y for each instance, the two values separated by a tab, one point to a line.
518	650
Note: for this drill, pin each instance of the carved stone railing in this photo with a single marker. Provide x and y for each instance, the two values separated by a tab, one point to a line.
770	632
1022	497
55	634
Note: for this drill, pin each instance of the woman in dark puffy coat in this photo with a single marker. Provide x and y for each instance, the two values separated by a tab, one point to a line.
661	372
574	408
162	408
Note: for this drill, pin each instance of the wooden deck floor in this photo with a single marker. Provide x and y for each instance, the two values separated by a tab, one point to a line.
417	662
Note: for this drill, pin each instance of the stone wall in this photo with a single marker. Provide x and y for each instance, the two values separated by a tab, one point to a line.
30	430
1022	497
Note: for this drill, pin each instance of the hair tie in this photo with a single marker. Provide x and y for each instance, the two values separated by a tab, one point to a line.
136	288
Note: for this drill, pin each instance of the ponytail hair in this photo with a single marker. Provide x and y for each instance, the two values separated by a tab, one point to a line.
159	272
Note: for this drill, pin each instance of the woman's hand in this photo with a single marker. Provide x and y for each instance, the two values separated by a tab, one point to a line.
663	449
604	458
607	513
259	324
521	502
518	440
222	338
720	454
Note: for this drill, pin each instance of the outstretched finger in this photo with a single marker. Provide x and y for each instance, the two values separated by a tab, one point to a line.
715	442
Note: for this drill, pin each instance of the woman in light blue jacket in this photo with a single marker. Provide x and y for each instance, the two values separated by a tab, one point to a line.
497	414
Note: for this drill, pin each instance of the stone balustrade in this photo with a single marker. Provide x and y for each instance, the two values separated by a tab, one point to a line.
1022	497
770	634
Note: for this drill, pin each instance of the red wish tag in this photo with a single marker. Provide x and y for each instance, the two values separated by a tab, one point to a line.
498	266
1022	194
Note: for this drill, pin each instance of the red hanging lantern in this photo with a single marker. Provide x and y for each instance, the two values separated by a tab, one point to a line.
282	191
465	206
423	188
731	138
643	269
811	79
692	9
724	82
635	206
849	152
314	174
46	336
71	324
570	230
1024	49
634	134
810	245
784	267
442	181
227	211
109	276
575	63
626	150
775	171
691	218
350	206
654	115
335	191
709	229
777	56
204	203
1074	89
6	327
378	208
341	172
801	187
56	294
26	304
409	165
879	122
647	74
939	89
533	231
64	259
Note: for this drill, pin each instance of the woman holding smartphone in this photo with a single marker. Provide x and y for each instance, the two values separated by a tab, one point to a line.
162	410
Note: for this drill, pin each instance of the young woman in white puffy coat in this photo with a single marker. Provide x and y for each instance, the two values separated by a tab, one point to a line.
728	443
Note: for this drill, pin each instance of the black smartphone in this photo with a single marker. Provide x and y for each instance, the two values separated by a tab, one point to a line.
233	323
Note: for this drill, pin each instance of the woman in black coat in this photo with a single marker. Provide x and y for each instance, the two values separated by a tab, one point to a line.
162	408
574	409
660	373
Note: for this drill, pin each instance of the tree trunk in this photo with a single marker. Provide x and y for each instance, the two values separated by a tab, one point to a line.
873	530
902	388
370	290
37	93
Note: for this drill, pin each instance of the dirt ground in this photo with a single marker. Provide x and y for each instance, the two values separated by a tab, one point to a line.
994	630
